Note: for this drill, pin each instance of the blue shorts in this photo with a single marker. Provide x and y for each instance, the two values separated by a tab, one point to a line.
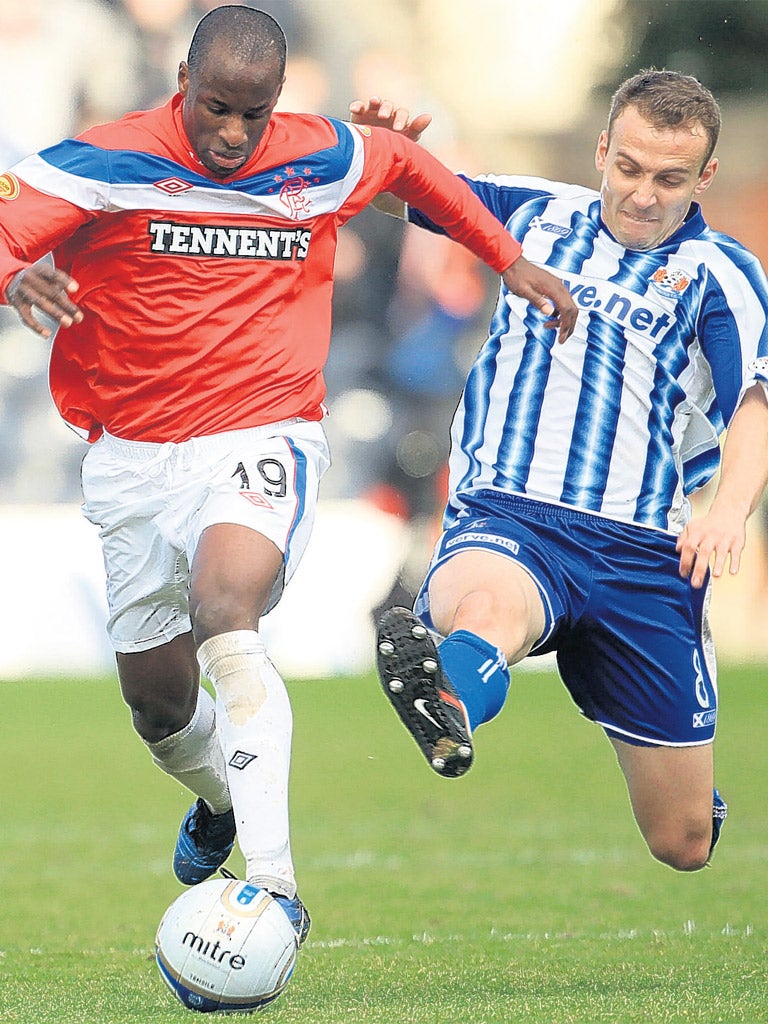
631	636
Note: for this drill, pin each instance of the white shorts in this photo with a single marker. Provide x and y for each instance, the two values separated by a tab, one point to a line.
153	501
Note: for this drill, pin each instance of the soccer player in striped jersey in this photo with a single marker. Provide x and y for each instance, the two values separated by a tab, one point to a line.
189	298
568	525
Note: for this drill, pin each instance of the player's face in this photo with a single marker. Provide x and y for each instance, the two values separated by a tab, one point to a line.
227	107
650	176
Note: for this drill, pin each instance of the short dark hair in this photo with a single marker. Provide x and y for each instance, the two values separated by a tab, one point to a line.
251	36
669	99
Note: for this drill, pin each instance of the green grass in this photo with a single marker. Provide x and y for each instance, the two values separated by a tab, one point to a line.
521	893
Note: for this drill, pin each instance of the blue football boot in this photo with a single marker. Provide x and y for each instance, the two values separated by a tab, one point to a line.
294	909
297	914
205	841
719	814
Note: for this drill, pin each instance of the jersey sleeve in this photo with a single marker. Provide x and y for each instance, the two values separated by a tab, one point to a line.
733	325
501	195
421	180
32	223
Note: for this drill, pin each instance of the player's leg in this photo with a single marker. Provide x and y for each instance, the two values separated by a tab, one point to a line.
490	612
250	535
126	491
639	661
233	575
176	718
671	791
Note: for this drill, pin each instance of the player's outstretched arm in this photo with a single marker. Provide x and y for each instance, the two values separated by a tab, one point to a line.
719	536
537	286
48	289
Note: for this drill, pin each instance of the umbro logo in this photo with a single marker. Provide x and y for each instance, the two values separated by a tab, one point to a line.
173	186
241	759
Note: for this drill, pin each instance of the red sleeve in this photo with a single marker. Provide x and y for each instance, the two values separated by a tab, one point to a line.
32	223
418	178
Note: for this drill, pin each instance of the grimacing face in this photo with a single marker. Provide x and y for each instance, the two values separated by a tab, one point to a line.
227	107
650	176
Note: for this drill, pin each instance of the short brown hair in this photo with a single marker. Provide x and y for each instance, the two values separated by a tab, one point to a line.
668	99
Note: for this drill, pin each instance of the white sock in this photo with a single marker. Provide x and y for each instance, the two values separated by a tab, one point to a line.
254	722
193	756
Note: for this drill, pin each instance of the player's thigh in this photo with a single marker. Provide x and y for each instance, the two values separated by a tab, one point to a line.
488	594
249	534
232	578
670	789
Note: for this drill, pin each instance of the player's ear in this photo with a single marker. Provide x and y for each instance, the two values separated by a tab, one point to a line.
706	176
182	78
601	151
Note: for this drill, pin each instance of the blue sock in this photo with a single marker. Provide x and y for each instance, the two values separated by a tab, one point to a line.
478	672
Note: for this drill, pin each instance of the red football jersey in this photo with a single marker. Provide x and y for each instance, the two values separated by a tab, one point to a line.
207	302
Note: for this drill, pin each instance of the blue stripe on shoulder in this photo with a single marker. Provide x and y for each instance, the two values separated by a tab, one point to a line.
132	167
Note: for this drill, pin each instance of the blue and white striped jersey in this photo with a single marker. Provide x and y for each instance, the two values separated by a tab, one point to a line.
623	419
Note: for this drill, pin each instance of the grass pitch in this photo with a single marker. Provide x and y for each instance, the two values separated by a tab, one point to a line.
520	893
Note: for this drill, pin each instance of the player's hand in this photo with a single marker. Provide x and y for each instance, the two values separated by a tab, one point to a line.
379	113
42	288
713	539
546	292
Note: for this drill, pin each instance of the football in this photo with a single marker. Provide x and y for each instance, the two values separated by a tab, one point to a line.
226	946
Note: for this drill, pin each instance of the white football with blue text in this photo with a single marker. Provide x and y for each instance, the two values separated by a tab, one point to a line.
226	946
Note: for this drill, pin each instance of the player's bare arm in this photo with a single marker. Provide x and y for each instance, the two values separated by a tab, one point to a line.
537	286
719	536
48	289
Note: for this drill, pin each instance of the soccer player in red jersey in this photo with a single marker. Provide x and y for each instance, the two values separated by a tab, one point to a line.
189	300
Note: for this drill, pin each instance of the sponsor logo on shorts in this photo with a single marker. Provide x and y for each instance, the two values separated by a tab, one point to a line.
472	537
9	186
256	499
702	719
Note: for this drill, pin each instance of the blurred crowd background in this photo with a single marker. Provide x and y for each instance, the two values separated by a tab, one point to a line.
512	87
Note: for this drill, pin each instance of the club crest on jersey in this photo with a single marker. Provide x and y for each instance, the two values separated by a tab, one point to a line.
672	282
293	194
9	186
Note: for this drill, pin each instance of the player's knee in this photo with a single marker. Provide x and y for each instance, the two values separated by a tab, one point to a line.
685	851
486	613
156	717
225	610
